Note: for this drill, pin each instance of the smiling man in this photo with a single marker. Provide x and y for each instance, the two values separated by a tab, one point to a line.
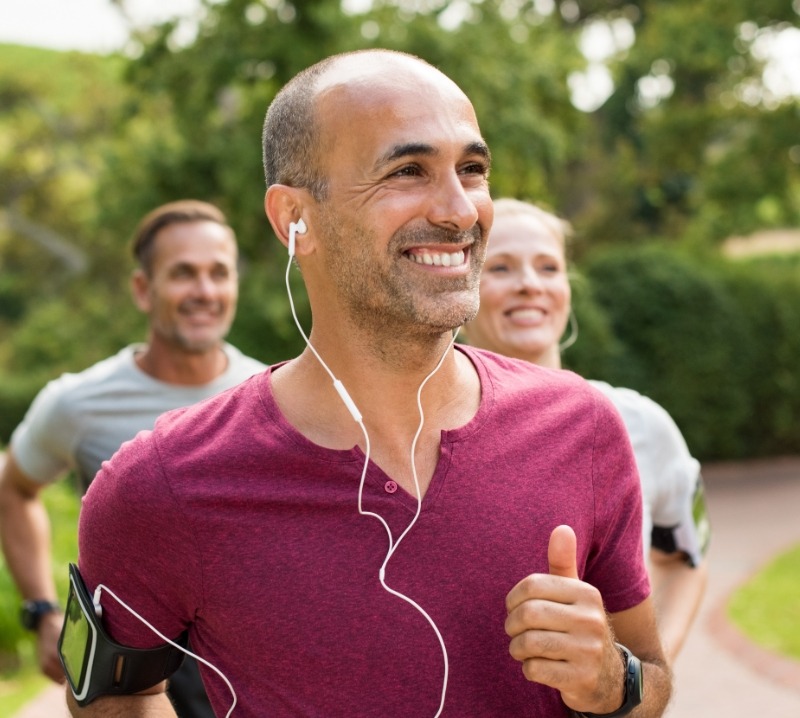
386	524
186	283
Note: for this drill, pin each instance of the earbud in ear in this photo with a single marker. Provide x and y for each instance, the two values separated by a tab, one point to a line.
298	227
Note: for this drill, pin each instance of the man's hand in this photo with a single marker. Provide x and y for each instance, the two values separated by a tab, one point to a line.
47	646
560	632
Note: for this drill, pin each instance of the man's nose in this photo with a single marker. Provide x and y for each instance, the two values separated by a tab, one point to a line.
452	206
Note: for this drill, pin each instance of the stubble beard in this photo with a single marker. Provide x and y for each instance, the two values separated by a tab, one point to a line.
394	296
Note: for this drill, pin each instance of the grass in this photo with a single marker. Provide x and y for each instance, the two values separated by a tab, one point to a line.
20	679
22	684
767	608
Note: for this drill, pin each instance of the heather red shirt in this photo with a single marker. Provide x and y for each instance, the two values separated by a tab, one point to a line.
228	521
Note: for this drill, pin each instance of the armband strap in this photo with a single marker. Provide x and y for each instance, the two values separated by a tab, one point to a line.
95	664
692	535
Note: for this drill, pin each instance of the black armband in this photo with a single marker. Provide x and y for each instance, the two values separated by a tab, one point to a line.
96	665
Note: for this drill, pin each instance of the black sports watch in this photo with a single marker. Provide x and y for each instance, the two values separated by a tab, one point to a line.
634	689
32	612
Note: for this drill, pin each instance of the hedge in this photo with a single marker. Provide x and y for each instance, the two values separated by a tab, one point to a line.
714	341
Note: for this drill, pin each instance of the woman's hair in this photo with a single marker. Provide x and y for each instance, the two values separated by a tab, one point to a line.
560	228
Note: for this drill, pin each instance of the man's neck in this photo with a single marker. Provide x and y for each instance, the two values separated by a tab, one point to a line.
386	397
175	366
383	385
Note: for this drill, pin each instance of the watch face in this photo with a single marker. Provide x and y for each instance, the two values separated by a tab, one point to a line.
29	617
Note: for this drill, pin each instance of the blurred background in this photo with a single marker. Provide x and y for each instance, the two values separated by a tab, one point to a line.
666	132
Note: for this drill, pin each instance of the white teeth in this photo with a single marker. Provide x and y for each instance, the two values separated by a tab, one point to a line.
527	313
439	259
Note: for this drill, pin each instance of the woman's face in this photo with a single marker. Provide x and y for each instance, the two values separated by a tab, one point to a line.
525	292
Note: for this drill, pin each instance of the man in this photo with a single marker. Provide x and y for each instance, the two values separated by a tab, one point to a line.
187	285
382	525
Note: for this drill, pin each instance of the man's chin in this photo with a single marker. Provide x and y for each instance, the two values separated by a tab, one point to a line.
199	345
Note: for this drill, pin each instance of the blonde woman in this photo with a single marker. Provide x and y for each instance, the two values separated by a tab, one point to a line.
525	310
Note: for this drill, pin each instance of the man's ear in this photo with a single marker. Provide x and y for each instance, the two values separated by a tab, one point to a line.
285	205
140	289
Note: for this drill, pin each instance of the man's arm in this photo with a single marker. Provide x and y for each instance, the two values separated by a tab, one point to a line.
562	635
25	537
152	703
678	590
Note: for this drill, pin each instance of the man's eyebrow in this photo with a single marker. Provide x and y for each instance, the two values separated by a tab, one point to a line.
479	148
411	149
407	149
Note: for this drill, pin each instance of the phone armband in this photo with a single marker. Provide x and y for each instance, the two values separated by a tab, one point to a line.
96	665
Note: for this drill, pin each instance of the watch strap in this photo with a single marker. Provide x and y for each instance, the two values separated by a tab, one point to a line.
33	611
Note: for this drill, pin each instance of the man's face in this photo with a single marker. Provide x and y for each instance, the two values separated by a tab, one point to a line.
190	297
406	218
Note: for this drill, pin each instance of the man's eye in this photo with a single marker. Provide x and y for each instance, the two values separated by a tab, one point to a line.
498	268
407	171
475	168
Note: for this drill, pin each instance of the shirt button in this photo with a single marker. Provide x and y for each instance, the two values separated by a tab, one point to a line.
390	486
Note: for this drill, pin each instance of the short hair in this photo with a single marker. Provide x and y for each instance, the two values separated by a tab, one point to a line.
291	139
185	210
560	228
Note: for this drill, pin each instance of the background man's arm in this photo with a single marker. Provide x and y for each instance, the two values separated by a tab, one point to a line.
25	536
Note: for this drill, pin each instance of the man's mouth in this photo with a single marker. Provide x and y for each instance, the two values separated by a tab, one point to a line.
201	312
437	259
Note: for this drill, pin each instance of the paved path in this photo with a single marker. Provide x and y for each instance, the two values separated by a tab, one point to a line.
755	513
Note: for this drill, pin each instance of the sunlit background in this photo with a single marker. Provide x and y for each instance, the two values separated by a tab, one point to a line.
103	26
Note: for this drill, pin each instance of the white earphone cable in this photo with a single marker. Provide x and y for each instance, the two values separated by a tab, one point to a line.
358	419
103	587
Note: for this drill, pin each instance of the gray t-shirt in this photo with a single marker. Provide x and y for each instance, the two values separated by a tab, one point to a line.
78	421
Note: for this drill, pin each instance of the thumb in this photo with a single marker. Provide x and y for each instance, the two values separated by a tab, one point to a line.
562	552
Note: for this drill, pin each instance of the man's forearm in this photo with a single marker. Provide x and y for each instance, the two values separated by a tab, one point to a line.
139	706
657	690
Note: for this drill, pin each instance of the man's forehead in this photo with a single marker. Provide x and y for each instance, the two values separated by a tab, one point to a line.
372	80
377	67
395	100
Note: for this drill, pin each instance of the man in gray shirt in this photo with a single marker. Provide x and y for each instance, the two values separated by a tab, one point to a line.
186	283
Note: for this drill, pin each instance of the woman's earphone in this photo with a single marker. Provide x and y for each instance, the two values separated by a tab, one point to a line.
295	228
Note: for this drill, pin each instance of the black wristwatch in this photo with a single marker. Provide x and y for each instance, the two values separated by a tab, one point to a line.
32	612
634	689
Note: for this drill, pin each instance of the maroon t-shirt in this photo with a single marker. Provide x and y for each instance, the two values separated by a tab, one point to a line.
228	521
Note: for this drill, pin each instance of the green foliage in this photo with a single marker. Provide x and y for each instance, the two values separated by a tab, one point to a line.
712	340
767	608
767	294
597	349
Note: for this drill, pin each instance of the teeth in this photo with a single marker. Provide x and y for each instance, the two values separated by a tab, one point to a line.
526	313
438	259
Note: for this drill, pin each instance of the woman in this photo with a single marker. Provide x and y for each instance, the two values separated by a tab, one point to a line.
525	309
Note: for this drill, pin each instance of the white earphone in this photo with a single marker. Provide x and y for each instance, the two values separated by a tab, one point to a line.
295	228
